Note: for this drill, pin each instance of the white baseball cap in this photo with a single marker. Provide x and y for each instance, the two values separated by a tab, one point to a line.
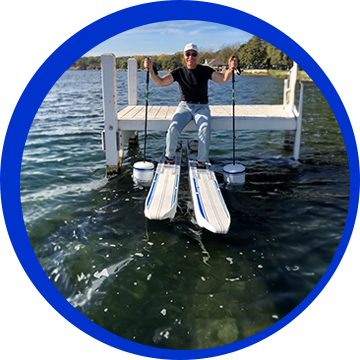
191	46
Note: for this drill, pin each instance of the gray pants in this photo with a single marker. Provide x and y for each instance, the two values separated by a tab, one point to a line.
183	115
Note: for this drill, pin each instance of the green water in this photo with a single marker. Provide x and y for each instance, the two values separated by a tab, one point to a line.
172	284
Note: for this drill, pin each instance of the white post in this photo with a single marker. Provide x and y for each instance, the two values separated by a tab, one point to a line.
125	136
299	124
293	78
289	135
132	81
289	99
286	87
108	69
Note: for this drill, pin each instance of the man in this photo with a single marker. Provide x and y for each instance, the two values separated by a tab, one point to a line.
193	85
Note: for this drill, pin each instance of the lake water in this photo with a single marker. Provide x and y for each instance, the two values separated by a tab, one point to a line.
172	284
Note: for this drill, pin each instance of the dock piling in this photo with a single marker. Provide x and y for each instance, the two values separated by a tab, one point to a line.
111	134
132	138
298	115
289	100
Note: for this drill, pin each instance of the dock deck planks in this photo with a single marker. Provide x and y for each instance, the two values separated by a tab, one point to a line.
247	117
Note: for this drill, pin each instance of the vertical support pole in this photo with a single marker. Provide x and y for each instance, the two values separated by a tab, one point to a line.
130	136
297	141
286	87
292	85
132	82
108	69
289	99
289	135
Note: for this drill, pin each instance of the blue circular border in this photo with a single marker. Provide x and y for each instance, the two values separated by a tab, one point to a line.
39	320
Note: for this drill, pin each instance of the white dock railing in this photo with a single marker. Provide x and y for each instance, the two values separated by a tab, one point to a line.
120	126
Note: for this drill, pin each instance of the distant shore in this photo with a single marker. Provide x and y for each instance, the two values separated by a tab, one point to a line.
280	74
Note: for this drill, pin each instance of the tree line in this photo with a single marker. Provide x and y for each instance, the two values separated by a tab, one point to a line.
256	53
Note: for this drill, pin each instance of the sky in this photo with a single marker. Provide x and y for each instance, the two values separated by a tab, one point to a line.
168	37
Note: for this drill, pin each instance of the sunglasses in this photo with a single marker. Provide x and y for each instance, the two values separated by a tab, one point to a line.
195	54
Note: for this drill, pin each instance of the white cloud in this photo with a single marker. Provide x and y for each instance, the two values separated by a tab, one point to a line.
171	27
162	38
204	30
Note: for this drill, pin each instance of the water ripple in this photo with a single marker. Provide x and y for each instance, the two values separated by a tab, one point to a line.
171	284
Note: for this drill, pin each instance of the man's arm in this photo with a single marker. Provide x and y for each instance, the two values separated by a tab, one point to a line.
223	78
165	80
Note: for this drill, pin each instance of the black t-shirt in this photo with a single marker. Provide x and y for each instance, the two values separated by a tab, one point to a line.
193	83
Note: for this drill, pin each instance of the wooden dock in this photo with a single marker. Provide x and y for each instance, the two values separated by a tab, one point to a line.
247	117
120	126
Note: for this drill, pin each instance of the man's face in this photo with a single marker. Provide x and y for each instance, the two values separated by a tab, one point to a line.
191	58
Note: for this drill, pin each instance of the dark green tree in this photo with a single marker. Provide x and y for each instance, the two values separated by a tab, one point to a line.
227	51
176	60
205	55
254	52
164	61
123	63
277	57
